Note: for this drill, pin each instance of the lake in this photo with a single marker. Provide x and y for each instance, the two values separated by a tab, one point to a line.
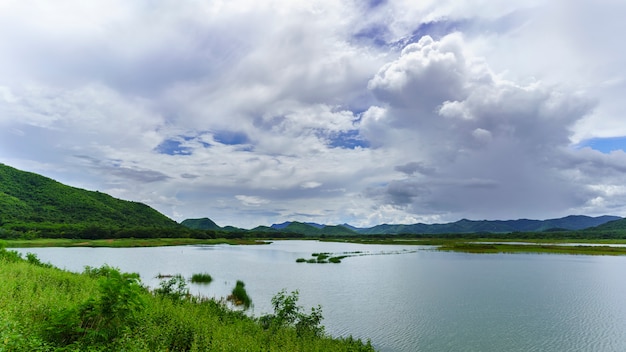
406	298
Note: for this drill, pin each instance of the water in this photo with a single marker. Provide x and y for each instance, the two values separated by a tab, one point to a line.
418	300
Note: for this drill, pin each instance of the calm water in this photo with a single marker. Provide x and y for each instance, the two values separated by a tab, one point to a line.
419	300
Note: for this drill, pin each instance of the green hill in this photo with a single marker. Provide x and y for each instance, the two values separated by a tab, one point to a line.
616	225
200	224
31	201
309	230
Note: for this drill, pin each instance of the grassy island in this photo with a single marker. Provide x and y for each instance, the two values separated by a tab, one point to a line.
43	308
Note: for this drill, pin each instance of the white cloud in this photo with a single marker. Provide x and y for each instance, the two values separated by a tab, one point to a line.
258	112
251	201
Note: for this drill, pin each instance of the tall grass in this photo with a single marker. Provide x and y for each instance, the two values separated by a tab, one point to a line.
202	278
239	295
33	297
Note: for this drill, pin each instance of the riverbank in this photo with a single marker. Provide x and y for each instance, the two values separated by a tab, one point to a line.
497	245
124	242
485	245
44	308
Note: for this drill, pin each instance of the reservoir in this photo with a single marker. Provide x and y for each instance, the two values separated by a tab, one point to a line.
405	298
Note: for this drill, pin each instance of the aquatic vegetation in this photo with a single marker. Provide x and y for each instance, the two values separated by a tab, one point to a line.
239	296
202	278
336	258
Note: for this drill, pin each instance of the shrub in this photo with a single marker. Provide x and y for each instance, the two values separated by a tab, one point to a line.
101	319
9	256
287	313
175	289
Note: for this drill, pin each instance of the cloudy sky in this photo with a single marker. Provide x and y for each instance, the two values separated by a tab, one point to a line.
359	111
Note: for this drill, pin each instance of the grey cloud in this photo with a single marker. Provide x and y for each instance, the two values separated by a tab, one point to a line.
146	176
189	176
114	167
415	167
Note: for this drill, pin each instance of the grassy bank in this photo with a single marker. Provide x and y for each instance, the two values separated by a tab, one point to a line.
122	242
43	308
509	245
482	245
477	247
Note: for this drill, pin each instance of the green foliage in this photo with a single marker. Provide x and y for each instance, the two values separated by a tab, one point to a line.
36	205
200	224
287	313
101	319
323	258
32	258
35	301
239	296
174	289
9	256
202	278
308	230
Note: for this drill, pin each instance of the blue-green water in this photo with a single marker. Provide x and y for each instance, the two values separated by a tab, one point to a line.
419	300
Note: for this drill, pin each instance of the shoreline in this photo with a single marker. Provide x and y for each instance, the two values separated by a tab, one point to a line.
486	246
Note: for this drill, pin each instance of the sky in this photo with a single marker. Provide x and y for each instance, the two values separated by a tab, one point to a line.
362	112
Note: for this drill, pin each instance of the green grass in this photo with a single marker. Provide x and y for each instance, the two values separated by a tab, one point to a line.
86	313
239	295
484	245
476	247
202	278
124	242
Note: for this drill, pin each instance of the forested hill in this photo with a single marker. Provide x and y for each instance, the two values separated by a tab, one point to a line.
29	200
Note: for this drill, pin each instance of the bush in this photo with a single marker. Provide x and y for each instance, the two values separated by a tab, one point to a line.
101	319
287	313
175	289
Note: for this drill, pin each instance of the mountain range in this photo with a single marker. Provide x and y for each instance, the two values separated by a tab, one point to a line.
29	201
568	223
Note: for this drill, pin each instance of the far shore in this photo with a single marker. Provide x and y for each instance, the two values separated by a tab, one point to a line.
486	245
124	242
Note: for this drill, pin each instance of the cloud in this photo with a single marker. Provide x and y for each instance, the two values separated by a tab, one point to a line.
251	201
482	134
364	112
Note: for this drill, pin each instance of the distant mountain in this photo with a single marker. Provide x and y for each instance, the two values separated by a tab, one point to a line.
619	224
29	200
287	223
313	229
200	224
264	229
281	226
572	222
353	228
